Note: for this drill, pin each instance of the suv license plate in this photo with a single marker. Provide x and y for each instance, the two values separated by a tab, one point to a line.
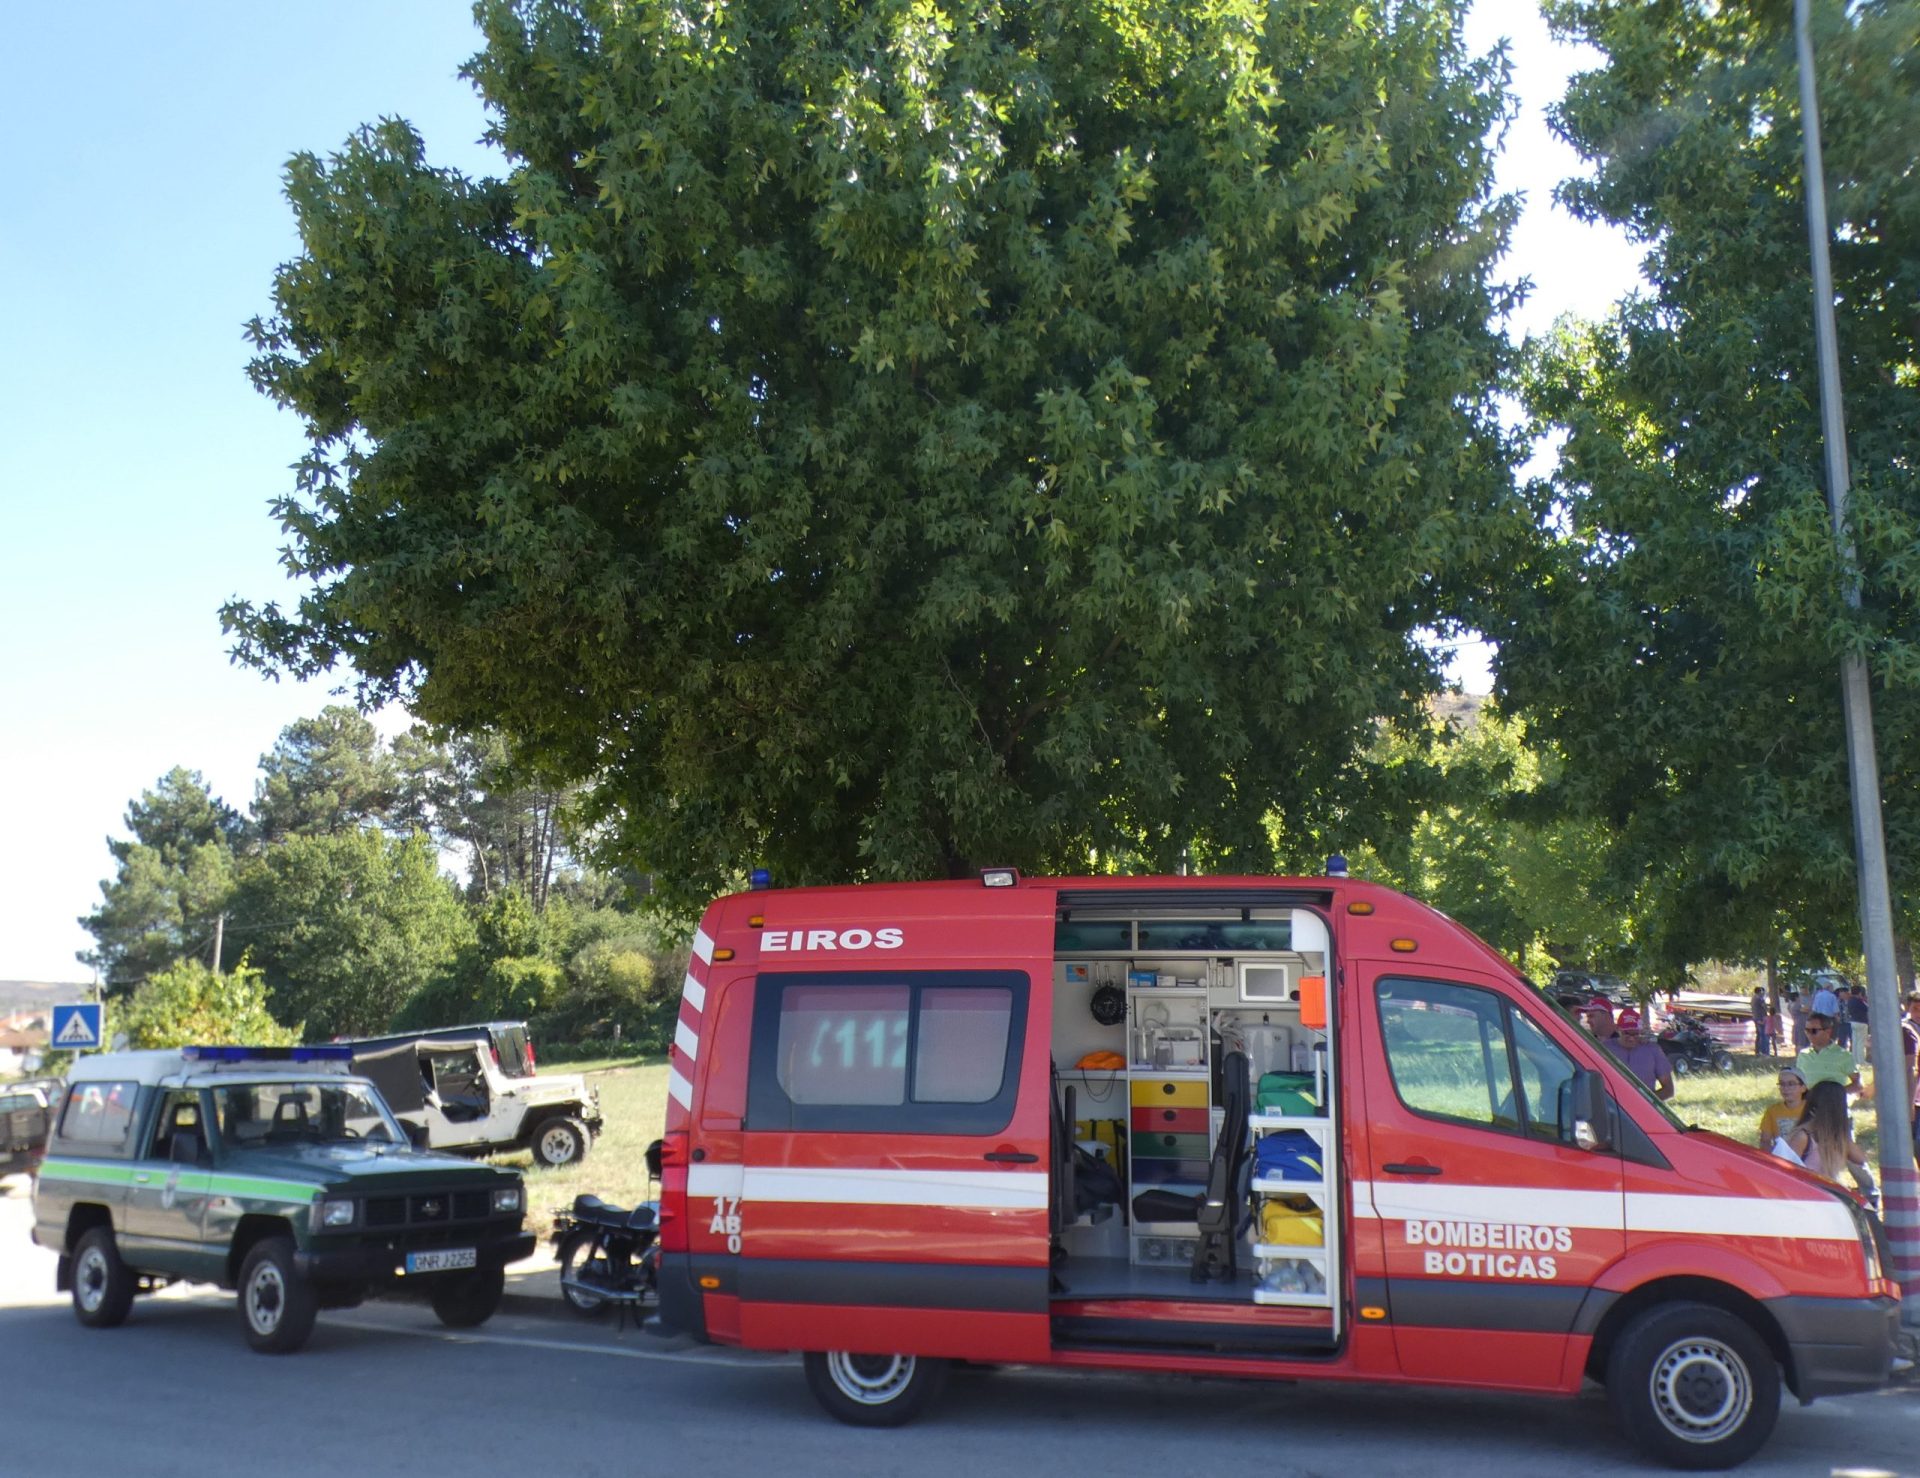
440	1262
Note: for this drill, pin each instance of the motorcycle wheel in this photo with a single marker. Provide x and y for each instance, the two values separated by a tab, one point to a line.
580	1255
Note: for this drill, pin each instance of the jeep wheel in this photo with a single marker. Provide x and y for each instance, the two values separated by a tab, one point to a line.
468	1300
277	1306
873	1390
559	1141
102	1284
1693	1386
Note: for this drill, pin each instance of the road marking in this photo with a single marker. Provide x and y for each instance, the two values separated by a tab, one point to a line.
467	1337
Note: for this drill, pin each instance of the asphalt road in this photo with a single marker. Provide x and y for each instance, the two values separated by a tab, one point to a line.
383	1390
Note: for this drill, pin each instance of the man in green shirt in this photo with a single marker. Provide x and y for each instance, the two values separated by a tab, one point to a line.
1825	1060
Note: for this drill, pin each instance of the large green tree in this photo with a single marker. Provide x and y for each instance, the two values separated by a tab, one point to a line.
878	437
173	875
325	774
1678	638
345	926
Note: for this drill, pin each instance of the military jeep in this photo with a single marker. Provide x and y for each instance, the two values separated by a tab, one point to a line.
273	1172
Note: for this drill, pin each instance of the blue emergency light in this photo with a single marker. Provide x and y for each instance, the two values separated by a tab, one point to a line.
329	1053
759	878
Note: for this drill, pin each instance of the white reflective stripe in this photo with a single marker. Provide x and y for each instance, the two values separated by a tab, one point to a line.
702	947
686	1041
1740	1216
1719	1216
714	1180
1010	1190
1397	1201
679	1089
693	992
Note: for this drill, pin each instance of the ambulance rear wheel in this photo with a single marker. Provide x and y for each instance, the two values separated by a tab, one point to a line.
874	1390
1693	1386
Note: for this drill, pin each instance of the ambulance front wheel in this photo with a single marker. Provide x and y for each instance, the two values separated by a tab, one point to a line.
874	1390
1694	1386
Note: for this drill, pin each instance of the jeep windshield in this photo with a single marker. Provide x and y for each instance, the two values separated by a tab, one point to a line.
323	1112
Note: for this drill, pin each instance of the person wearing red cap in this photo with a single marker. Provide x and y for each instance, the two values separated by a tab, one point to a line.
1598	1016
1640	1055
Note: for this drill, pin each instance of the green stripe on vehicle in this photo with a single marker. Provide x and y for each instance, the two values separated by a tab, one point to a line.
88	1172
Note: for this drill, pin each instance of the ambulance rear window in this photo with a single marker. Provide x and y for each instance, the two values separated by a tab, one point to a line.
918	1052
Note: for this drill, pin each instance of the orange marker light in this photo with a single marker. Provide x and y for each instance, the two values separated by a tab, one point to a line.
758	921
709	1282
723	954
1362	909
1404	946
1373	1313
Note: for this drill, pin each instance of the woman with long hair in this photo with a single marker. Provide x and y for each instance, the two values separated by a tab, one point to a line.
1822	1139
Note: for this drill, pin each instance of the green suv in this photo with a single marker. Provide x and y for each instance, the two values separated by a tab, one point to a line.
270	1171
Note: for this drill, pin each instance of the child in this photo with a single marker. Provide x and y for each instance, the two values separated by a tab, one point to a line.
1780	1117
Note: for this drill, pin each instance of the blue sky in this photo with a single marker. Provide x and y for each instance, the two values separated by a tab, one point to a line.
141	219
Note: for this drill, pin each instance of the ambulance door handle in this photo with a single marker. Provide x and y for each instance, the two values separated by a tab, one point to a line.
1011	1157
1418	1168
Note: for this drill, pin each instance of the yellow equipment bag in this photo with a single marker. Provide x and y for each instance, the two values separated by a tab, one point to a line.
1282	1224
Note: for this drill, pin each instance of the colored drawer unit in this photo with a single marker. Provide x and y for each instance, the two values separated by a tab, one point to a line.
1159	1120
1175	1146
1170	1093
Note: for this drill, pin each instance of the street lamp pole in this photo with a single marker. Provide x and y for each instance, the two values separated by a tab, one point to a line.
1900	1185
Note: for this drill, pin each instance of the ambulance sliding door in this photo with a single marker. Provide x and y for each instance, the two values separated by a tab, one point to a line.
1493	1228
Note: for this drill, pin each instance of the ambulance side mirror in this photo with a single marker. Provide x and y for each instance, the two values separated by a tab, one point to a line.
1586	1112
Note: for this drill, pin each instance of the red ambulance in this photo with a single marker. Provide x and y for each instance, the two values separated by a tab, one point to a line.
1283	1128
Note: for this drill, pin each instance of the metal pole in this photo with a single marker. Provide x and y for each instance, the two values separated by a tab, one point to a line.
1892	1099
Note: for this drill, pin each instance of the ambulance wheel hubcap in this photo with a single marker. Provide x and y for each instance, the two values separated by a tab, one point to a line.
93	1280
1701	1390
266	1297
872	1380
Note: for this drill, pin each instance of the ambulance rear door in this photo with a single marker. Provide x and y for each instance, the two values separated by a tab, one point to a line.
894	1184
1493	1227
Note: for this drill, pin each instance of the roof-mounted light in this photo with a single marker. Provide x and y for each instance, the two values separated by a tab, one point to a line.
1336	866
330	1052
759	879
999	877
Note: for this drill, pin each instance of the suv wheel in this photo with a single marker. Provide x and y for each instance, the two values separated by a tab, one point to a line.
102	1284
277	1306
470	1299
559	1141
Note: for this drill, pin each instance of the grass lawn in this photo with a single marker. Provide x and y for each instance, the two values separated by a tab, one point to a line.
1731	1103
633	1105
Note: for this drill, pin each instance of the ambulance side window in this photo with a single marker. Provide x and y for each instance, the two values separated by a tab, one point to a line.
1464	1055
918	1052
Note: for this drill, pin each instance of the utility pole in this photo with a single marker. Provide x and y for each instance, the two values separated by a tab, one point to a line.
219	937
1900	1185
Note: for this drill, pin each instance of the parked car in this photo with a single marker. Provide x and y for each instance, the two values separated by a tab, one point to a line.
454	1086
23	1127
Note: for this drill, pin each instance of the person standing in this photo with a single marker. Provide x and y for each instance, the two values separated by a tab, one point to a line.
1598	1017
1798	1009
1825	1060
1762	1039
1640	1055
1857	1018
1910	1045
1826	1002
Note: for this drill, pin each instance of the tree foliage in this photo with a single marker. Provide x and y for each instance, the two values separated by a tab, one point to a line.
1679	638
174	873
189	1003
324	775
346	927
873	438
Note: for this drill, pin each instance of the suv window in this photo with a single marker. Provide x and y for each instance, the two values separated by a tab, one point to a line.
933	1052
99	1113
1466	1055
301	1113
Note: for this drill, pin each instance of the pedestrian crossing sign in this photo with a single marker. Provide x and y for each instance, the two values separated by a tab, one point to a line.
77	1028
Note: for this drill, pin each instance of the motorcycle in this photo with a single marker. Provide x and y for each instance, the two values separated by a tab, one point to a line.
610	1255
1690	1046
